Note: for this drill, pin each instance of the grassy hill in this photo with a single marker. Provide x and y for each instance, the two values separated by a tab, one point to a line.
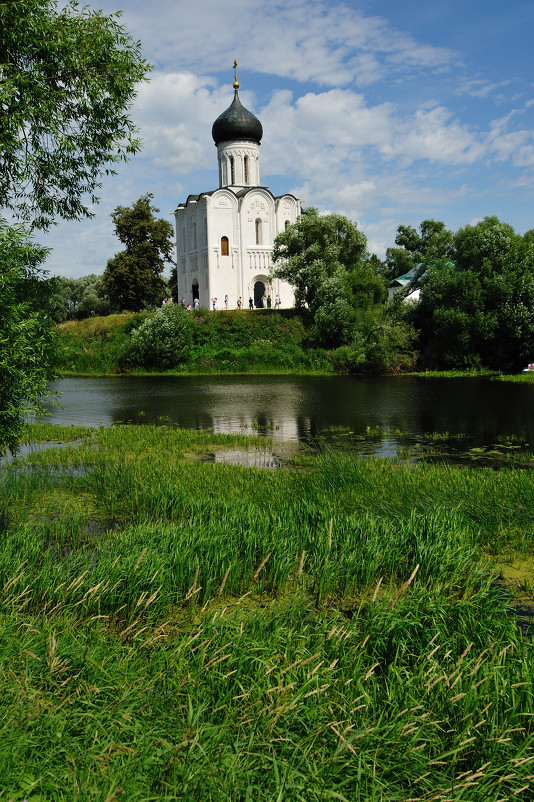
233	342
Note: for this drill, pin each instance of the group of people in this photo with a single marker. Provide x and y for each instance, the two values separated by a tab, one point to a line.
215	305
265	301
183	302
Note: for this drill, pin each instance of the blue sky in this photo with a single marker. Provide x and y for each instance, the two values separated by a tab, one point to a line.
383	111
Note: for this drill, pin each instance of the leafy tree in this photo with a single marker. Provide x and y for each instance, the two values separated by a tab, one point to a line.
133	277
25	334
77	298
488	247
377	264
477	310
91	296
67	80
161	341
380	345
417	251
68	77
325	259
172	284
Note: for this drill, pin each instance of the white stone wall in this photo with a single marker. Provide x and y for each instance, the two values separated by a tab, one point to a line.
245	171
202	223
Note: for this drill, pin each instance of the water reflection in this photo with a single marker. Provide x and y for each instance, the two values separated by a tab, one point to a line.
299	408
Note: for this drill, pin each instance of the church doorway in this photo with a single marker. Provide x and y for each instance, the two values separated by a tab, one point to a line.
194	289
259	292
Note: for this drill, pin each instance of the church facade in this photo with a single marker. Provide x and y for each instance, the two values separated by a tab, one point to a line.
224	237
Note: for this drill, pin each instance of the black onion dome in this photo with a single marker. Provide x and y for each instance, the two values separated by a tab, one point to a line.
236	122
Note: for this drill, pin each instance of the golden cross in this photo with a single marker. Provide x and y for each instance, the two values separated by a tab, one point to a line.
235	70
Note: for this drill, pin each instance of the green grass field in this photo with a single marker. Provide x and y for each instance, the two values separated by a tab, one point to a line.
337	629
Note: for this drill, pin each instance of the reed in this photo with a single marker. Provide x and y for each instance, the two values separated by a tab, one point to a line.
174	629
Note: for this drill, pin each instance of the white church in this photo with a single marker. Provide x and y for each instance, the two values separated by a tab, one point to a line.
224	237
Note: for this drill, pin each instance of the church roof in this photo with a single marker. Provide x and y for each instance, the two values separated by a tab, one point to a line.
236	122
239	194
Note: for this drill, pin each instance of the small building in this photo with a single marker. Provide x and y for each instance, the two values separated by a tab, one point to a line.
400	283
225	236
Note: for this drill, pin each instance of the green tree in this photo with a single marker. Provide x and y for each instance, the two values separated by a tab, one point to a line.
26	339
477	310
77	298
417	251
325	259
133	277
68	77
67	80
161	341
488	247
172	284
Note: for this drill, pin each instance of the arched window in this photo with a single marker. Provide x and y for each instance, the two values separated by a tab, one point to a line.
245	166
224	246
287	224
258	231
194	236
232	171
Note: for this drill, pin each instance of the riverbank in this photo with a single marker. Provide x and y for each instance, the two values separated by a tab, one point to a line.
174	628
263	341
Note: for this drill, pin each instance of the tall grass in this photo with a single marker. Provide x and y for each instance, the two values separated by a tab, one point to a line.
171	629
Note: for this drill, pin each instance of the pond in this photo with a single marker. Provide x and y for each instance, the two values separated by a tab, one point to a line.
302	408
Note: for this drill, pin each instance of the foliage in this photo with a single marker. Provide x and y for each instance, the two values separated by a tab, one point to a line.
172	284
240	329
25	338
68	78
325	259
380	345
477	310
77	298
418	251
95	344
133	277
221	342
162	340
186	630
67	81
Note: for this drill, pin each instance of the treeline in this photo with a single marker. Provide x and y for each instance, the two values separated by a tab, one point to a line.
465	301
476	294
88	296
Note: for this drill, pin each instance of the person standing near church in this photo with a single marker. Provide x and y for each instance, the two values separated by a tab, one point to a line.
250	303
226	302
239	302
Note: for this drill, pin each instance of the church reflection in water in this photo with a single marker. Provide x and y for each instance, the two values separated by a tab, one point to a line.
301	408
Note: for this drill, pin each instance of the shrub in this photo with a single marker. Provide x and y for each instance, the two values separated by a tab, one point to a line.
385	348
161	341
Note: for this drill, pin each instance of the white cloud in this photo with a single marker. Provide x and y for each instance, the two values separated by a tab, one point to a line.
376	123
480	87
308	40
433	135
515	146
